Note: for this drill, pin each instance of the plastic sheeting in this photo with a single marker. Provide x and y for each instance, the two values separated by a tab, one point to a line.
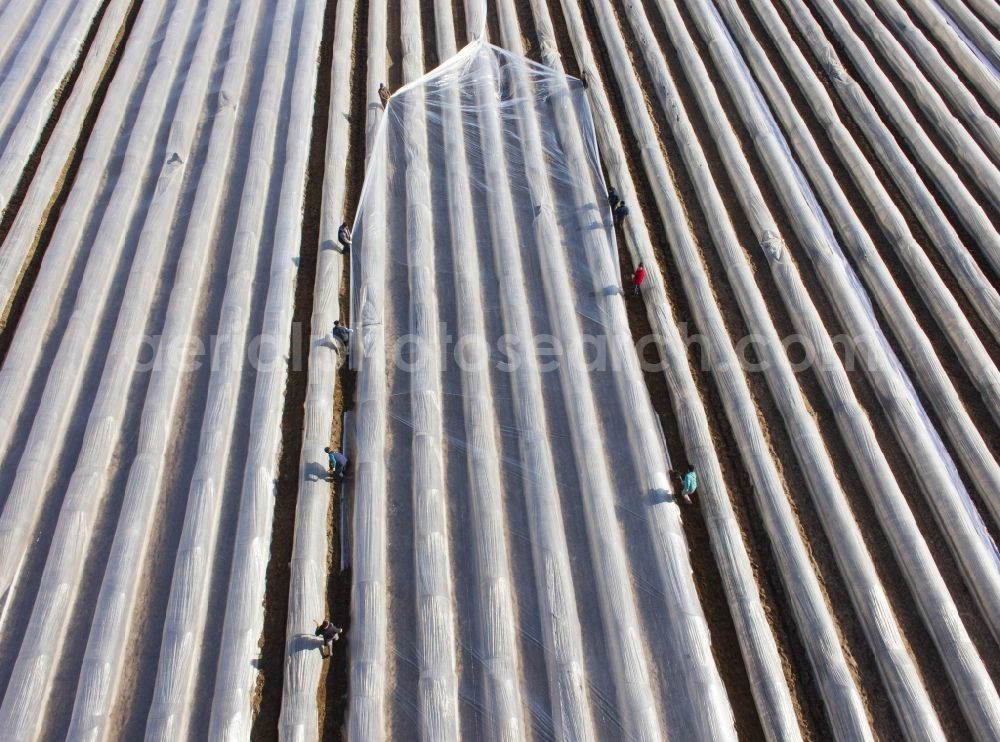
972	64
15	20
812	614
22	356
32	54
974	32
23	232
903	683
237	674
915	432
34	668
935	294
181	646
927	57
931	97
27	96
582	473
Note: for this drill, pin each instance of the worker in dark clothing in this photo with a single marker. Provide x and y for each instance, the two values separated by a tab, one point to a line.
620	212
340	337
637	278
329	634
338	463
344	238
613	198
383	94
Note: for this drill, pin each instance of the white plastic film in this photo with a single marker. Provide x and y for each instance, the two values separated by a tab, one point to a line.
969	61
169	714
67	240
836	687
70	542
915	432
910	68
704	708
33	114
975	285
33	53
904	686
37	200
16	20
980	38
945	79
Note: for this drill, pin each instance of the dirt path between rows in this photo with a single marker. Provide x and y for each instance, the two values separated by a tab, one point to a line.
333	693
272	654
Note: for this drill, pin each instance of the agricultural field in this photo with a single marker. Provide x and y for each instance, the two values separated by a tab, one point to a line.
813	194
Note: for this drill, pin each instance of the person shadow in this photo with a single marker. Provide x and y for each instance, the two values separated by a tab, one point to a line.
658	496
305	642
316	471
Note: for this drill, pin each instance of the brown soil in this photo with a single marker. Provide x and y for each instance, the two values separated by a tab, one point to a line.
11	314
334	685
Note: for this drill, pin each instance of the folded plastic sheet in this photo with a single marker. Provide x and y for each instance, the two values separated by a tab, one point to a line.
495	416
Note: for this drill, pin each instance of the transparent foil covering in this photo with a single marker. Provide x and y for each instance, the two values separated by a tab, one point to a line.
519	566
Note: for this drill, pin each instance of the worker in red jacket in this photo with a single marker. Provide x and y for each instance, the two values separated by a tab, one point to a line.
637	278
